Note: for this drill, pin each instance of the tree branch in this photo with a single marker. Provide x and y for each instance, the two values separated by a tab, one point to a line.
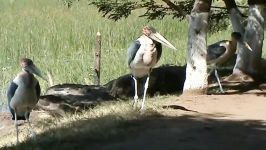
254	2
118	9
175	7
230	4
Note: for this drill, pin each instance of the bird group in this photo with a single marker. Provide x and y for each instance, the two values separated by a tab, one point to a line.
143	54
24	91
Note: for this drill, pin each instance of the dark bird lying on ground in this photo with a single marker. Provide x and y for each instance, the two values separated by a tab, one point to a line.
63	98
23	93
60	99
166	79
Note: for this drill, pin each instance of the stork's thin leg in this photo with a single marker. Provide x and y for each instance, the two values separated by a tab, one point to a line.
218	80
145	91
30	127
136	92
16	125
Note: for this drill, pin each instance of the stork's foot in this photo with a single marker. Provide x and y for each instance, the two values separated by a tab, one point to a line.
142	110
134	105
135	102
34	136
142	106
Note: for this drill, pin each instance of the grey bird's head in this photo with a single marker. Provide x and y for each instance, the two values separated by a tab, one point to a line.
28	66
237	37
154	35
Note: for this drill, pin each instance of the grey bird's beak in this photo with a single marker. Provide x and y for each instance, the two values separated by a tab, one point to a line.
247	46
35	70
159	38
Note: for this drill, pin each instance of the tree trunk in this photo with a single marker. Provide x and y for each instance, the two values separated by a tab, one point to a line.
249	61
264	15
235	16
196	71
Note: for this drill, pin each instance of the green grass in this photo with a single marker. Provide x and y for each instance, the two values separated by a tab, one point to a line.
62	41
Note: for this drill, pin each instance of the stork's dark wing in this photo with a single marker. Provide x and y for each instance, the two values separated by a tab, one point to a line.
217	49
10	93
38	90
159	50
132	50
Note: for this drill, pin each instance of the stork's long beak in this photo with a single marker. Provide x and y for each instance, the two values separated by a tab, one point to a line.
247	46
159	38
35	70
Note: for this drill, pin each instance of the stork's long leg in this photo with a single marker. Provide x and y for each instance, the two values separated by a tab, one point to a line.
136	91
218	80
30	127
16	125
145	91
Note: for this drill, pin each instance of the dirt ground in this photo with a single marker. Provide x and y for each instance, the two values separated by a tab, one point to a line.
208	122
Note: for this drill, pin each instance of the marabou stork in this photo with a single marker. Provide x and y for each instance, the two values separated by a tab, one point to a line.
221	52
143	55
23	93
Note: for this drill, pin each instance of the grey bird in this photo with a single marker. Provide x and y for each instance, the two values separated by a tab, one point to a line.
223	53
143	55
23	93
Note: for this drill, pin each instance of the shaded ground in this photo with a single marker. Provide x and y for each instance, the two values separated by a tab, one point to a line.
214	122
205	122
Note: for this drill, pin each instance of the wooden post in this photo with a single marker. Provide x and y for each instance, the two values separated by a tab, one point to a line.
97	60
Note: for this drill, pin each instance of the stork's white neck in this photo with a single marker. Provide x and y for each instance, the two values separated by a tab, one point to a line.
25	71
145	40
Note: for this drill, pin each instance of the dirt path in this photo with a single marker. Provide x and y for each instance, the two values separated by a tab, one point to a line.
233	107
217	122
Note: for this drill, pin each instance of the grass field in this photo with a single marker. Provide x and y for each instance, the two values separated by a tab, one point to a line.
62	41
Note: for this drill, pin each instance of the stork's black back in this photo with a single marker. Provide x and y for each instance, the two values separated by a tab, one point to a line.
158	47
217	49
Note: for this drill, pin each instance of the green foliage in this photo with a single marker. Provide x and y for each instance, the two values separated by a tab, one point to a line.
118	9
219	20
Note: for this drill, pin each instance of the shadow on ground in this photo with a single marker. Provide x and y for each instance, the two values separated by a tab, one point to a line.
153	131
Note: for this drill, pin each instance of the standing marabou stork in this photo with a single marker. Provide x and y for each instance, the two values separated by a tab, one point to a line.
23	93
143	55
220	53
